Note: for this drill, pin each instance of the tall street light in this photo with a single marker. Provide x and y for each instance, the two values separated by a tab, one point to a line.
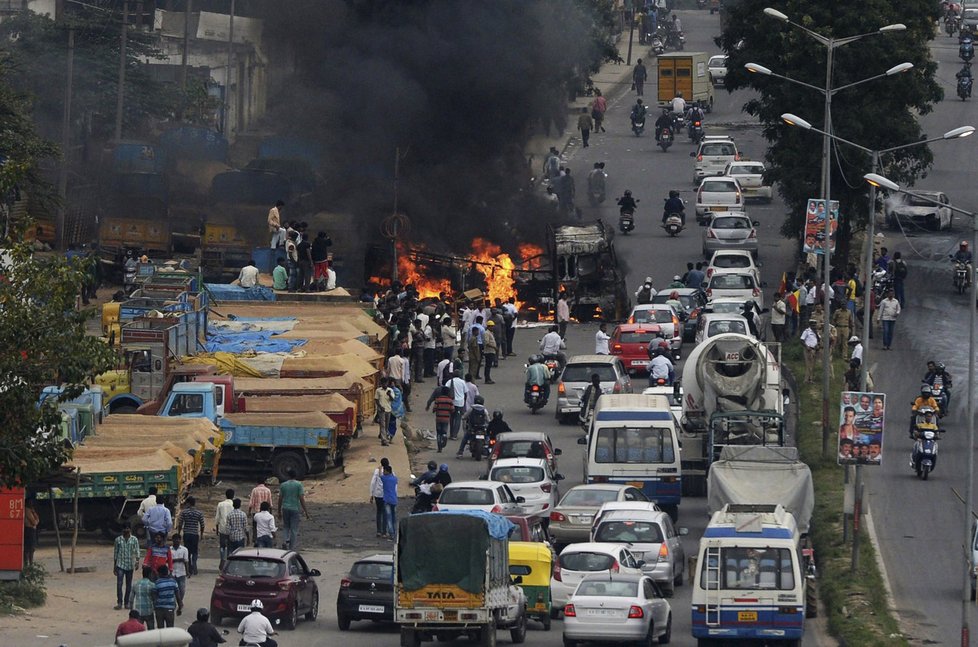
957	133
875	180
828	91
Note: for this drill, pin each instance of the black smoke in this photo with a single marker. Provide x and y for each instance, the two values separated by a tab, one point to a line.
458	86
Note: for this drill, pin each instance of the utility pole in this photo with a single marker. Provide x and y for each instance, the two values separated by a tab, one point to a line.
59	235
186	45
397	169
227	81
120	99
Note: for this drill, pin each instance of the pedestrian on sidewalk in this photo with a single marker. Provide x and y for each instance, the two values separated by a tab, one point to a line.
389	482
291	499
265	526
31	522
142	598
382	398
259	494
190	522
475	349
639	76
899	268
809	338
490	350
585	124
551	165
510	315
448	333
598	107
125	558
167	599
181	558
221	523
887	313
377	496
779	313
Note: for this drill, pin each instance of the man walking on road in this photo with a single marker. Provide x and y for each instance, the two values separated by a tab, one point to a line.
221	522
563	315
142	598
639	75
167	599
125	558
809	338
291	499
237	524
259	494
190	522
458	389
899	268
887	313
585	124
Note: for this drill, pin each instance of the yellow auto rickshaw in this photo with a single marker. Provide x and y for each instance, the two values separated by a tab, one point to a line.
533	561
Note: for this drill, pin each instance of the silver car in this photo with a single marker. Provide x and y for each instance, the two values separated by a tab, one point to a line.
617	608
571	520
576	377
741	287
651	538
730	231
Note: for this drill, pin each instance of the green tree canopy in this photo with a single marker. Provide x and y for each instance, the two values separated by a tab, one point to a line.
878	115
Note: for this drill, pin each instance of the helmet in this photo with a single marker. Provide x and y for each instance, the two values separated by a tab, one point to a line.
665	111
432	465
677	278
854	339
678	94
497	415
480	400
443	467
940	366
964	244
926	390
627	192
203	614
256	604
674	194
648	279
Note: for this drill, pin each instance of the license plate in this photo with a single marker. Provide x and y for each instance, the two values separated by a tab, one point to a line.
244	608
584	518
600	612
640	362
370	608
717	208
747	616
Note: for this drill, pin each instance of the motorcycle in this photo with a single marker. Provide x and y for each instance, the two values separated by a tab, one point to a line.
942	396
626	220
675	40
695	131
535	397
964	87
951	25
923	459
553	365
678	122
478	443
665	139
657	46
638	126
966	51
673	224
962	275
596	187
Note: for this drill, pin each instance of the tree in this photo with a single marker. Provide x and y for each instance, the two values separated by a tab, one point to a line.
877	115
42	335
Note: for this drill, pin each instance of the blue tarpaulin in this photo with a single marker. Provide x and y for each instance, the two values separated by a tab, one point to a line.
225	292
259	342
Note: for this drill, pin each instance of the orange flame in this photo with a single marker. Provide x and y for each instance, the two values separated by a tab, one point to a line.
532	255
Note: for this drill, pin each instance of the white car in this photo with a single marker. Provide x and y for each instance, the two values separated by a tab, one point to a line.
613	506
487	496
533	480
750	176
726	305
665	316
735	286
617	609
717	67
716	195
712	156
904	209
712	324
733	260
578	561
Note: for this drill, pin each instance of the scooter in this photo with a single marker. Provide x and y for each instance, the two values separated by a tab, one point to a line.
657	46
638	126
626	221
477	444
535	397
962	272
553	365
966	51
696	131
673	224
923	459
665	139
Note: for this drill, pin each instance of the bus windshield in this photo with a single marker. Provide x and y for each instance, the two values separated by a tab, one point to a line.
634	445
751	568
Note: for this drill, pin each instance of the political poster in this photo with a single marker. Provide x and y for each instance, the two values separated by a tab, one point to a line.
861	418
815	226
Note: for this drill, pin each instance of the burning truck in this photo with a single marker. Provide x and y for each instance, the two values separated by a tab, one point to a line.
580	259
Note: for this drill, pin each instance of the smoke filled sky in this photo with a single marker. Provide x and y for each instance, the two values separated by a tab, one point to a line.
458	85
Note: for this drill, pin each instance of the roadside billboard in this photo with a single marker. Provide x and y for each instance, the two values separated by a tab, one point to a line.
815	226
861	416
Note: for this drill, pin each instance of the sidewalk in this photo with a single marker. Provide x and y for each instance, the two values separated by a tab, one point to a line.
613	79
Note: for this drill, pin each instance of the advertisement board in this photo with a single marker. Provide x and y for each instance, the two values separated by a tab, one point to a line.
815	226
861	419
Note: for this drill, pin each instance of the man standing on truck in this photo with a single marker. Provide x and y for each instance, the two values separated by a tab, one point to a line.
275	225
291	498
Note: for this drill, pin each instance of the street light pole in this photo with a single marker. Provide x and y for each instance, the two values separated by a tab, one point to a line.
883	182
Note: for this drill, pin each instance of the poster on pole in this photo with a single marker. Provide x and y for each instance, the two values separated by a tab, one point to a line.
815	226
861	416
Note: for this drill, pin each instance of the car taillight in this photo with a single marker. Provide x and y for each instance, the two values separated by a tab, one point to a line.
345	583
561	389
535	387
616	388
557	575
663	551
709	292
710	234
557	516
570	611
675	320
219	582
497	509
616	347
615	567
696	123
285	585
709	272
546	487
752	234
699	158
635	612
737	157
737	201
631	320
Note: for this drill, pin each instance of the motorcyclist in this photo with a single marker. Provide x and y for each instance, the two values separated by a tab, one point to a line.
965	73
693	114
678	104
664	121
427	477
476	419
497	425
552	345
937	375
537	374
424	498
255	629
638	112
925	399
645	293
661	368
677	282
674	204
927	424
203	631
674	301
627	202
964	255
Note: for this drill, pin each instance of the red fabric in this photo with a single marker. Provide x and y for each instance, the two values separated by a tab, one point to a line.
130	626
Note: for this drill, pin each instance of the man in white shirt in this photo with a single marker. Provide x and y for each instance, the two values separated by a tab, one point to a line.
660	368
509	308
265	526
248	277
457	385
181	557
857	348
221	521
552	344
255	628
147	503
809	338
563	314
601	341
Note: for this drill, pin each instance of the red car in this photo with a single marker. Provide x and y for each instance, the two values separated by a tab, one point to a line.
631	343
279	578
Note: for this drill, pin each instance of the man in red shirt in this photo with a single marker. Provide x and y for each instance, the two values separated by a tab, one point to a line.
131	626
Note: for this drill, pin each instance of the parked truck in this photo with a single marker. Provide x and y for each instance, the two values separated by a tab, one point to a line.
469	595
731	396
685	72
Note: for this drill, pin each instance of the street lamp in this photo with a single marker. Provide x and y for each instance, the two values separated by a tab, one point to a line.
830	45
957	133
875	180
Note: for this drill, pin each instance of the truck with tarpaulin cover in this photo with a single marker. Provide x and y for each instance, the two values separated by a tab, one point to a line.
469	594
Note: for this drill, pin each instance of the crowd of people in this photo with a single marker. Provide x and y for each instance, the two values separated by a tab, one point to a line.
305	266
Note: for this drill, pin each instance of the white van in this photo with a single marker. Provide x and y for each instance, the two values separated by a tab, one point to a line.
633	440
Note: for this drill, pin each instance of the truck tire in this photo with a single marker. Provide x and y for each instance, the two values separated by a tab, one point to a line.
410	637
283	462
518	633
487	635
124	409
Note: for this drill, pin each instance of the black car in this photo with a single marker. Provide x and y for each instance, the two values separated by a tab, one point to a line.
693	300
367	592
